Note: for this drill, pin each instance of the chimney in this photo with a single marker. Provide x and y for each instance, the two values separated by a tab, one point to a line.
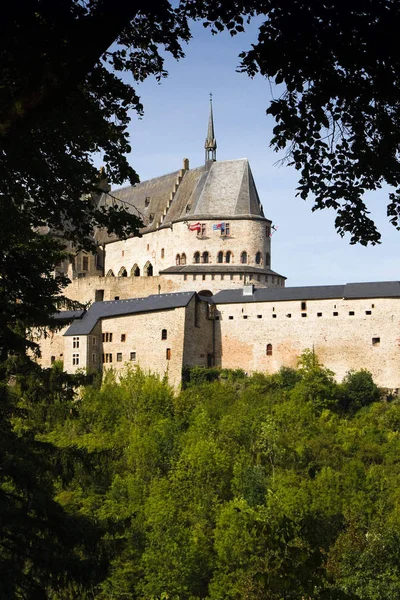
186	164
248	289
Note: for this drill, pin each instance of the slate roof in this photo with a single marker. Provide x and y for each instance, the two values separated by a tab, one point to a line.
118	308
383	289
224	190
218	268
66	315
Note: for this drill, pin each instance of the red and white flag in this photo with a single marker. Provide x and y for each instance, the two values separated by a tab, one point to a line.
194	227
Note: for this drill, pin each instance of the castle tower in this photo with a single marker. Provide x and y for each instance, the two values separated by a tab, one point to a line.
210	143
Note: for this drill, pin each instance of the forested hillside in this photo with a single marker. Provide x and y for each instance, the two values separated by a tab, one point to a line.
276	487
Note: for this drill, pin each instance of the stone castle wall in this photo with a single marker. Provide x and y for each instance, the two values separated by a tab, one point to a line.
369	338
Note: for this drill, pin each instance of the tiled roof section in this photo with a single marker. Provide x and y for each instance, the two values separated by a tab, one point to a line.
226	190
384	289
229	190
155	192
220	268
68	315
118	308
190	186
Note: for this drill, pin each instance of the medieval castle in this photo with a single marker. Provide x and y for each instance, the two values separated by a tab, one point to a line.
198	289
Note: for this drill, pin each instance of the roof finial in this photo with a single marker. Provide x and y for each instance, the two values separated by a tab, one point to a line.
211	143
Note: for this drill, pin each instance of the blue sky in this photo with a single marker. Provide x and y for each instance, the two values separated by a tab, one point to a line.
306	248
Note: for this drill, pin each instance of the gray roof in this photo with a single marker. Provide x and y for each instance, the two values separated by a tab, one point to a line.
68	315
119	308
218	268
225	190
383	289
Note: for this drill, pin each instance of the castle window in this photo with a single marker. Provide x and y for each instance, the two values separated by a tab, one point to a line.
133	356
122	253
110	273
183	259
52	360
319	314
75	359
94	358
376	341
119	356
220	257
203	229
148	247
268	350
304	306
372	305
335	314
196	257
205	257
99	295
228	256
368	312
267	260
274	316
243	258
116	297
107	337
122	272
185	277
162	252
85	263
123	337
168	354
226	230
268	230
107	358
289	315
351	313
75	342
148	269
222	277
203	277
258	258
259	316
303	314
164	334
178	259
244	316
147	201
230	317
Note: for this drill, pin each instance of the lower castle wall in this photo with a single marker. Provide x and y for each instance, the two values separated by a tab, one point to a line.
341	342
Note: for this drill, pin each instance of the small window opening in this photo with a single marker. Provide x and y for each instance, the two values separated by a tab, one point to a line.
303	314
183	259
274	316
123	337
304	306
168	354
368	312
259	316
164	334
376	341
119	356
230	317
319	314
268	350
258	258
133	356
335	314
351	313
289	315
228	256
162	252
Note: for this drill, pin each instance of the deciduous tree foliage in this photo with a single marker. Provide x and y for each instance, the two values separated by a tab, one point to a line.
240	488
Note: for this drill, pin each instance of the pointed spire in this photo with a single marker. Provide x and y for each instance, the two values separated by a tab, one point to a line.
211	143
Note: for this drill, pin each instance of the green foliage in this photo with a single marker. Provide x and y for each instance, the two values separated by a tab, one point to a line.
359	390
254	489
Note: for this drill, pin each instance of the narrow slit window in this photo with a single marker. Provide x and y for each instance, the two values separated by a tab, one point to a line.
268	350
164	334
168	354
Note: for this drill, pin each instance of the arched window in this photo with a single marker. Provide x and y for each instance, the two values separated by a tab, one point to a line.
164	334
122	272
148	269
183	259
196	257
258	258
268	350
220	256
110	273
135	271
178	259
268	260
243	258
228	256
205	257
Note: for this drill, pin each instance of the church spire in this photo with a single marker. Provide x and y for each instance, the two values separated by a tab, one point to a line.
211	143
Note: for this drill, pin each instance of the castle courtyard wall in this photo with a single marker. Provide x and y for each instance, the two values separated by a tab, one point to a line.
369	338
